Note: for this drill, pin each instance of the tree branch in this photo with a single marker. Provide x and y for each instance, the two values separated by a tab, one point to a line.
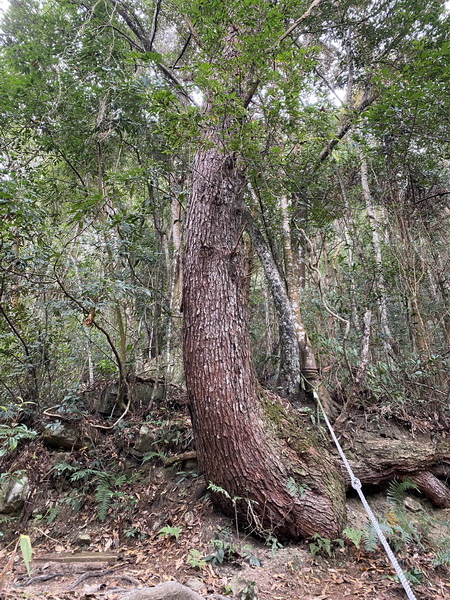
183	50
126	37
345	128
93	322
296	23
147	41
437	195
170	77
132	21
288	31
154	24
25	347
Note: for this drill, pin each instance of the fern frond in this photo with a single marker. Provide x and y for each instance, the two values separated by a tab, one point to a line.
120	481
397	489
442	558
103	497
407	528
371	537
84	474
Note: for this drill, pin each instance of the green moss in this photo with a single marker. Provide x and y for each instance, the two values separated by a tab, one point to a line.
274	411
314	466
289	427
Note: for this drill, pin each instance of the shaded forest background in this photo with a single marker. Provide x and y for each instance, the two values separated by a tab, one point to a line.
344	142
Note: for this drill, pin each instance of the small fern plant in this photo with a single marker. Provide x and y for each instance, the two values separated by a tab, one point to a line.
405	531
397	490
106	491
442	557
396	525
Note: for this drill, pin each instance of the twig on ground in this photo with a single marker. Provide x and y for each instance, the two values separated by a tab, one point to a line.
89	574
40	578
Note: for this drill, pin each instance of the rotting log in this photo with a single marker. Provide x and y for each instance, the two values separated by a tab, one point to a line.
379	460
376	460
169	590
435	490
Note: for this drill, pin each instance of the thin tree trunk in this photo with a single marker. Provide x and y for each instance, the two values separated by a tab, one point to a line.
376	245
88	338
364	351
299	244
309	369
289	373
348	229
412	279
173	358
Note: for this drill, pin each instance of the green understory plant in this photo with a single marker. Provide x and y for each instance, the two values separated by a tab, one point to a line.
195	559
414	576
170	532
324	546
225	550
442	557
273	543
397	526
296	489
355	536
135	533
12	435
107	493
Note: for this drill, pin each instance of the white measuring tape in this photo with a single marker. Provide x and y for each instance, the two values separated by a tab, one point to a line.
356	485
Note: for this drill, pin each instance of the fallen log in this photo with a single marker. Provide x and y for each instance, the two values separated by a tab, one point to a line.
376	460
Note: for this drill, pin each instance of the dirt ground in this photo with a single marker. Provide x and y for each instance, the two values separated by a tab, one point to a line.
159	525
82	558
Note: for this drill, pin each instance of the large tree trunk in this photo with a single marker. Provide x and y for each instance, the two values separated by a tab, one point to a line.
248	443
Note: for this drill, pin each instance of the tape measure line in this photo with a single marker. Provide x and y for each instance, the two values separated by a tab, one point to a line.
356	485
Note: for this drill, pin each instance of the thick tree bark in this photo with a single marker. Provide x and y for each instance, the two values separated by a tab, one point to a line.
247	443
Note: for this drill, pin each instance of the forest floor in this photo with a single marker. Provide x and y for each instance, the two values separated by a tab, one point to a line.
160	525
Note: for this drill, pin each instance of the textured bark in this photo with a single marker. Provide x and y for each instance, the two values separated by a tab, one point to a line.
247	443
364	351
299	243
173	358
169	590
434	489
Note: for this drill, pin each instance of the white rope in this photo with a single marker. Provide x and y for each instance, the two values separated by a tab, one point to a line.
356	485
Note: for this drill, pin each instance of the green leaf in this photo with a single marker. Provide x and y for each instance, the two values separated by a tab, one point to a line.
145	56
168	531
27	551
354	535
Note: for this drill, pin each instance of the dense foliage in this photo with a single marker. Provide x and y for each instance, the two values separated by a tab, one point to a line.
345	137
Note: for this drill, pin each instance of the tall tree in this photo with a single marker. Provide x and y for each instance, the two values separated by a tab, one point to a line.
249	64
